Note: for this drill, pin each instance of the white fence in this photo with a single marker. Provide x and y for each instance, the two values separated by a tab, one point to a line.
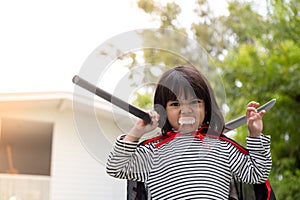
24	187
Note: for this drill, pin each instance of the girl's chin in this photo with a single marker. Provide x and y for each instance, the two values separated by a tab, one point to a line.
187	128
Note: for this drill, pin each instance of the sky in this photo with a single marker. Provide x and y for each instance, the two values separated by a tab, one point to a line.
43	44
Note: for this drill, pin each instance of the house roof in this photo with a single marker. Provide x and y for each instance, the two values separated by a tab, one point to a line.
55	100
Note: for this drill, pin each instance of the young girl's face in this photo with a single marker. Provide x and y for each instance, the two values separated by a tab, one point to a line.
186	115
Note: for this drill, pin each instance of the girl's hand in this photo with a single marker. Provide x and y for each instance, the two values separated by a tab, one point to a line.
254	119
141	127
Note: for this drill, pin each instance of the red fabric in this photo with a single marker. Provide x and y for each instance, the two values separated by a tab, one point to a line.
152	140
239	147
269	189
172	134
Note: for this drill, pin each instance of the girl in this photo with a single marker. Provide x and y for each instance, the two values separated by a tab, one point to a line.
189	161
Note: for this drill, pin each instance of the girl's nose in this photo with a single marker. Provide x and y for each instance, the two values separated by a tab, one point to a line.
185	108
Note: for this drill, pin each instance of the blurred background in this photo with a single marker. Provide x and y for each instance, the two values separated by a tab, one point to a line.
254	46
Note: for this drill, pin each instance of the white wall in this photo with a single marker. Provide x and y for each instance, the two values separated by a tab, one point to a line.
75	174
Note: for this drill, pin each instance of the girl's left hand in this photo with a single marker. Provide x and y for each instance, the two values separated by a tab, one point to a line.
254	119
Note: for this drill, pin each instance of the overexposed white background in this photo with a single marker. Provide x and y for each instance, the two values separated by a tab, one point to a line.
44	43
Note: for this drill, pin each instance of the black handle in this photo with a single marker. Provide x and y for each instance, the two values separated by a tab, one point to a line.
112	99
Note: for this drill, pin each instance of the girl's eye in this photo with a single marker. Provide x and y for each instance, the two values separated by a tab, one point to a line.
175	104
191	103
195	101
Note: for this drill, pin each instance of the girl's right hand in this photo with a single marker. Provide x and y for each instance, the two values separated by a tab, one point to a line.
140	128
254	119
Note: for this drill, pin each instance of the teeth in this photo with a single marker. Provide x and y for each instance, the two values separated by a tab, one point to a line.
186	120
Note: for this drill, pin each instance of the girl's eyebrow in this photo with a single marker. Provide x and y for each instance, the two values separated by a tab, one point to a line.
192	99
186	101
170	102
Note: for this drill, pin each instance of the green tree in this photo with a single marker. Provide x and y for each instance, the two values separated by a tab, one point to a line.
268	67
259	56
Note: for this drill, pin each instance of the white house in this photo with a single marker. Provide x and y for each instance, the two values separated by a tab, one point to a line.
49	151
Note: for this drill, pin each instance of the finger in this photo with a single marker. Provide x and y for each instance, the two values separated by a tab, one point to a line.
154	117
253	104
254	117
262	112
250	111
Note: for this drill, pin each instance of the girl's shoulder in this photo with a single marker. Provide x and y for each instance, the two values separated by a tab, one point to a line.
232	142
154	142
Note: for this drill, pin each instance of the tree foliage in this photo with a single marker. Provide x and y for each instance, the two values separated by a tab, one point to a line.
259	57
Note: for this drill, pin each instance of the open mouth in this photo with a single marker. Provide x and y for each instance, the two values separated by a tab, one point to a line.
186	120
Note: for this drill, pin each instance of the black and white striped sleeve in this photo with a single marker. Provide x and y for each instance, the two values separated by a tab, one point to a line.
128	161
255	167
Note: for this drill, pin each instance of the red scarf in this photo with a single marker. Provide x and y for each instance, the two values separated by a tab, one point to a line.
200	134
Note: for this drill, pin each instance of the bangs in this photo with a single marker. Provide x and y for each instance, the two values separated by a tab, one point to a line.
177	86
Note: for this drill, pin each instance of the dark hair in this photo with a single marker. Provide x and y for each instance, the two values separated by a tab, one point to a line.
187	81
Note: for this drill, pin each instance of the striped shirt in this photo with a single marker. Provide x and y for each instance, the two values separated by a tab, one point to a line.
189	168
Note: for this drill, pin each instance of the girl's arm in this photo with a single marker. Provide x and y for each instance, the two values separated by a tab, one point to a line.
129	161
255	167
